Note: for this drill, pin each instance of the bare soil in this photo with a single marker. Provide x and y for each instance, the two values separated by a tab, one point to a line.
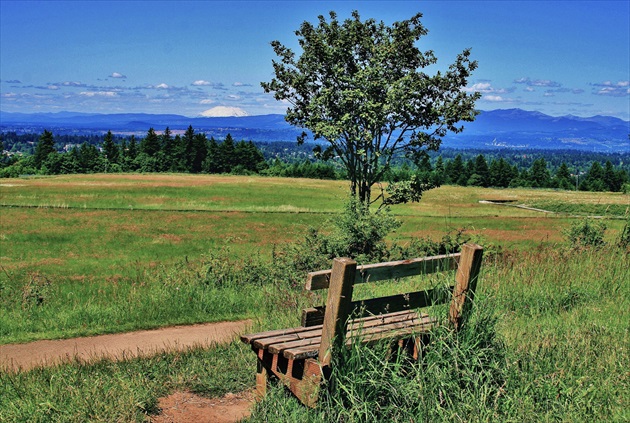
185	407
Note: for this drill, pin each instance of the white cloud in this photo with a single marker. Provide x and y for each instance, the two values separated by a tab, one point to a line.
117	75
537	82
529	89
72	84
206	101
223	111
612	89
201	82
241	84
162	86
493	98
98	93
52	87
487	88
233	97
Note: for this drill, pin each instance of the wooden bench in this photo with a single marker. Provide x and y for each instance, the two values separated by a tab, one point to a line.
300	357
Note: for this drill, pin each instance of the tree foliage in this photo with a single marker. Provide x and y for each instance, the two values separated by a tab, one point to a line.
359	86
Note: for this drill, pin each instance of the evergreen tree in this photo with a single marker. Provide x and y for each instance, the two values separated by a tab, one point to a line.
481	169
457	171
110	149
594	180
45	146
211	164
539	176
439	172
132	153
225	155
166	159
185	153
150	145
198	152
610	179
563	179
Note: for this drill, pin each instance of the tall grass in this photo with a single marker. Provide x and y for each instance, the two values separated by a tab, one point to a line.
547	341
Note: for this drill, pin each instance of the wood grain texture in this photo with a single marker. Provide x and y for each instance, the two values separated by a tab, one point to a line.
465	284
388	270
338	308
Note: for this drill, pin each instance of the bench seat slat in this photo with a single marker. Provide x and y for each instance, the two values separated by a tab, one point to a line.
266	343
249	338
259	337
310	348
312	337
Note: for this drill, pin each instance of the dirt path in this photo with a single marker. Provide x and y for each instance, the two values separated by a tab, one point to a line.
179	407
117	346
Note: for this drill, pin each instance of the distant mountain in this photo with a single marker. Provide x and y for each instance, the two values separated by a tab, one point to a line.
512	128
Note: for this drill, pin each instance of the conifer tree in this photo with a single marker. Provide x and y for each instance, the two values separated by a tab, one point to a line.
45	146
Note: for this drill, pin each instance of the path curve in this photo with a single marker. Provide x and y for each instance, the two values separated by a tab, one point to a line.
118	346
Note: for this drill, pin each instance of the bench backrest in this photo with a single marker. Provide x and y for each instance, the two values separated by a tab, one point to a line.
379	272
345	273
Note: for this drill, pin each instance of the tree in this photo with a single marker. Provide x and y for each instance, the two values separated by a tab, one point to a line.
481	169
563	179
166	151
150	145
110	149
45	146
359	86
198	152
539	176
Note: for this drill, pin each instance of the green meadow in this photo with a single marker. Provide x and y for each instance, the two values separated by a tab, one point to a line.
90	254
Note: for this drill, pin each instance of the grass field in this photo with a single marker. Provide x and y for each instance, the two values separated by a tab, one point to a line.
89	254
86	244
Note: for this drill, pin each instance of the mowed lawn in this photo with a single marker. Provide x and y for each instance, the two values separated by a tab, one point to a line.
94	226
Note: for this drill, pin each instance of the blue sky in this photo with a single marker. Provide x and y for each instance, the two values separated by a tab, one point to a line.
189	58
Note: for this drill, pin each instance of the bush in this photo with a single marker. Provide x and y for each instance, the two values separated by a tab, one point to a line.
586	233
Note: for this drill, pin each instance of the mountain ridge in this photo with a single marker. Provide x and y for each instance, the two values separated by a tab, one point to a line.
500	128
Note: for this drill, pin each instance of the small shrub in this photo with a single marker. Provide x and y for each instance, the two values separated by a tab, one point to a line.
35	291
586	233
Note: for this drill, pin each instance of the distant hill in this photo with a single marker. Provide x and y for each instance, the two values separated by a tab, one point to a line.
513	128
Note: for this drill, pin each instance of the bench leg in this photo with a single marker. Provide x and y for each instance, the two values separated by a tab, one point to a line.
262	379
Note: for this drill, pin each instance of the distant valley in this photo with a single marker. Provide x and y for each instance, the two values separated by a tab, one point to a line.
511	128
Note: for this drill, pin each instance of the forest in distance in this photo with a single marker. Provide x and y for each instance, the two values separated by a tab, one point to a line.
193	152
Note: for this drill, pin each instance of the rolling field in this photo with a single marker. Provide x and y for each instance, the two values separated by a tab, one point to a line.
102	252
94	226
92	254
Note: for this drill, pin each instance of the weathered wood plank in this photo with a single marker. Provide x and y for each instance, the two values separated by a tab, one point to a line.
375	306
465	284
396	330
249	338
267	342
338	308
389	270
308	338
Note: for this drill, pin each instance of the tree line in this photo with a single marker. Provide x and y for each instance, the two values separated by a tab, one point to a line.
193	152
500	173
189	153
